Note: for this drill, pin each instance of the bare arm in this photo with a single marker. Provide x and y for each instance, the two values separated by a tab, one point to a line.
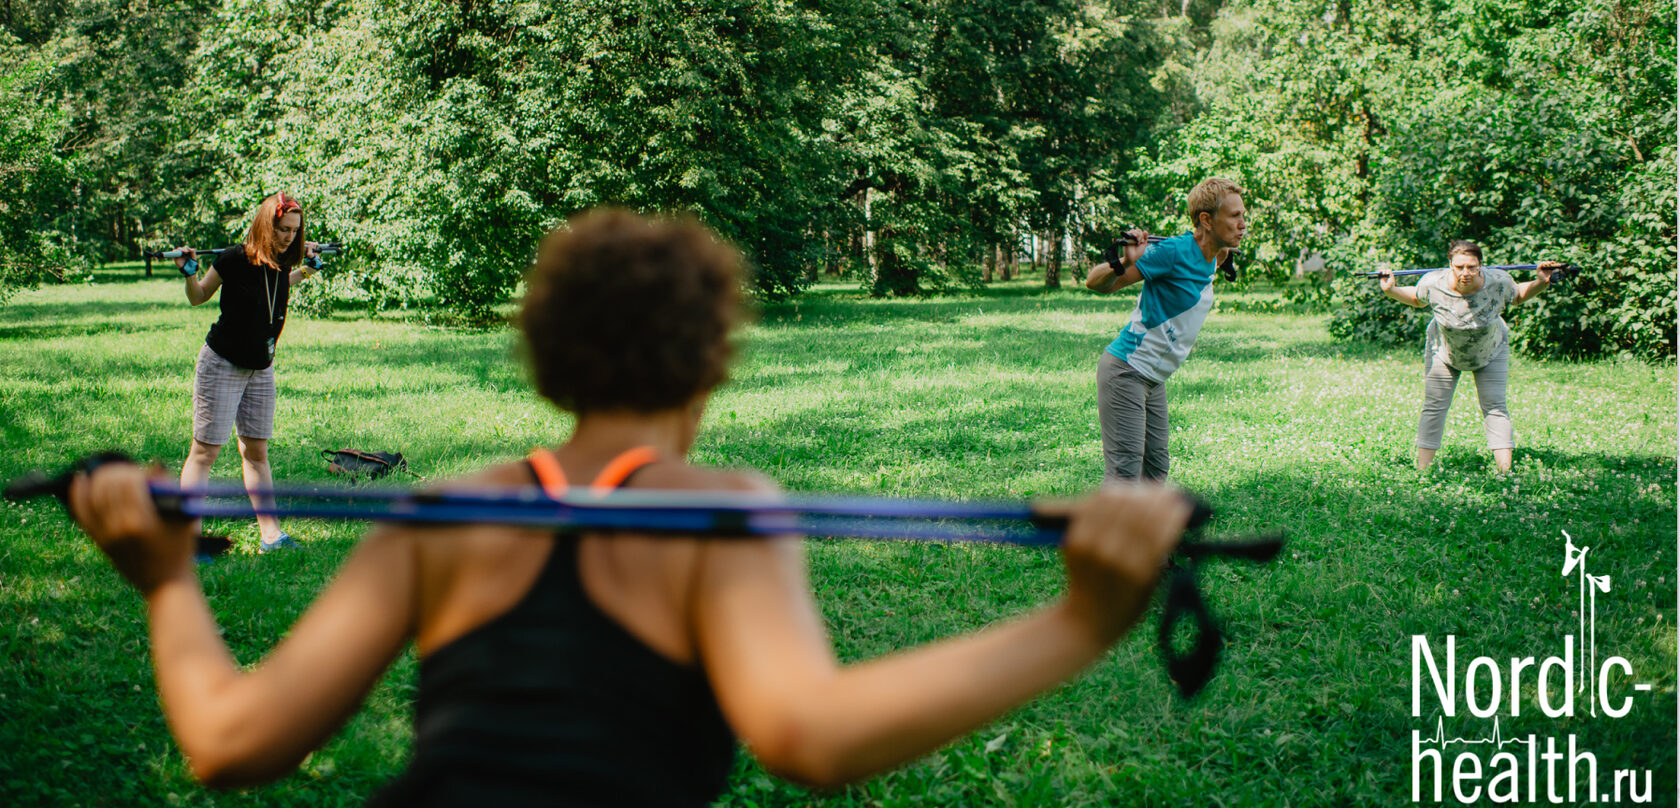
810	719
1527	291
1105	277
242	727
203	286
1404	294
303	270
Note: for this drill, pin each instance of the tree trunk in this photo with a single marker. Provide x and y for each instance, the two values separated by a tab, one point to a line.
891	275
869	242
1053	261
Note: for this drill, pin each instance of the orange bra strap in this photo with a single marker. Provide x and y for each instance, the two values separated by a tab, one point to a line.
548	471
621	468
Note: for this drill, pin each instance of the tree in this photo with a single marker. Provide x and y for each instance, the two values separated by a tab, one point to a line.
33	177
1548	134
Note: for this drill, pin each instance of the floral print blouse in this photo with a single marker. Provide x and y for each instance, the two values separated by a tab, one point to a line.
1467	330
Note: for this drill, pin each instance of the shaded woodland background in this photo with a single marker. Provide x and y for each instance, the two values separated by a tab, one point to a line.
919	146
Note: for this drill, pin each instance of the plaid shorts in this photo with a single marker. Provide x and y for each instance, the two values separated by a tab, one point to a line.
226	395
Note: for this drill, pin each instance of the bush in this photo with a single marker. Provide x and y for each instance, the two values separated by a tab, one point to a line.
1532	180
34	180
1364	314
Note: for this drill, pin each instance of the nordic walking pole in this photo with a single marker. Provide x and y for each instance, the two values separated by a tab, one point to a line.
716	514
1562	271
326	248
1227	268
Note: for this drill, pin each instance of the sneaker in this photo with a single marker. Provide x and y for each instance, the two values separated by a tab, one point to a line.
282	542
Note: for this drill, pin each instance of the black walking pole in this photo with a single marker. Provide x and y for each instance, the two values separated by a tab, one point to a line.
327	248
1227	268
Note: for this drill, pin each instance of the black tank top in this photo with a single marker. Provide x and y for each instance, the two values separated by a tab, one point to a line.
554	703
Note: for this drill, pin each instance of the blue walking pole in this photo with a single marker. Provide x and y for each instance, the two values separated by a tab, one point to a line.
1561	272
715	514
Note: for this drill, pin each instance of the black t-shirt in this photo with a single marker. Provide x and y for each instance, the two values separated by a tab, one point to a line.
253	311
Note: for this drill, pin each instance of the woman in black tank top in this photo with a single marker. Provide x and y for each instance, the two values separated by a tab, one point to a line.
609	669
233	381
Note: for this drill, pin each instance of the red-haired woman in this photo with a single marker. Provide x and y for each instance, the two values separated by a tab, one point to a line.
233	387
609	669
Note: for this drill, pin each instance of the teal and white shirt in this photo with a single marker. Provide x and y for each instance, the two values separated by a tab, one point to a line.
1177	296
1466	331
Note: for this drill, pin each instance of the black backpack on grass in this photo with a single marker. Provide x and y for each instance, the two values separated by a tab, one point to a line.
356	464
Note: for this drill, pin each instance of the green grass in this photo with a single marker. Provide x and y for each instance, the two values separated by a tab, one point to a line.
982	396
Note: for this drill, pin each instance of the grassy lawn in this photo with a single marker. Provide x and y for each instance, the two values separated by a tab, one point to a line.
983	396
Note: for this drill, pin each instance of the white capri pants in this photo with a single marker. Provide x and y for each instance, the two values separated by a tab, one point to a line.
1439	381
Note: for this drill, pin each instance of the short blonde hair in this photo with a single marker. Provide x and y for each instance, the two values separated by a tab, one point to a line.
1208	195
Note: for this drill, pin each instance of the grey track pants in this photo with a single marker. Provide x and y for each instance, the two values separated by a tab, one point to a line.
1132	413
1439	381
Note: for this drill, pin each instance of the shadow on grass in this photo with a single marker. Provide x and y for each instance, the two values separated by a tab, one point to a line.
88	328
95	313
1316	668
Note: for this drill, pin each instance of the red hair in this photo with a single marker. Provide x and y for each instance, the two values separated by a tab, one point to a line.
259	240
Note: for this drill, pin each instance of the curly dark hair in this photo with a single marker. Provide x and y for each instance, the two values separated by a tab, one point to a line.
629	313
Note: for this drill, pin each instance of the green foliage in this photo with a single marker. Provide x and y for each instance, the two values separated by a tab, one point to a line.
33	177
975	123
915	138
1365	314
1313	294
117	70
442	140
1530	178
1549	135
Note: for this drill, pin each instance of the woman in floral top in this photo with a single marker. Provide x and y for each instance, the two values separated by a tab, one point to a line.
1466	334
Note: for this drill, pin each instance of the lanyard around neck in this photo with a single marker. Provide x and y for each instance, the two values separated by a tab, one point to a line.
273	294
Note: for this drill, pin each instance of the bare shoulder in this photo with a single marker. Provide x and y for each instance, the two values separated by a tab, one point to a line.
503	476
467	540
679	476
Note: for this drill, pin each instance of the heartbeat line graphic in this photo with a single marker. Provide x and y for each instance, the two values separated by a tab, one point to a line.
1441	740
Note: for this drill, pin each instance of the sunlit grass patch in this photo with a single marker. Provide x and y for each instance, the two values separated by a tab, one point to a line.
979	396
